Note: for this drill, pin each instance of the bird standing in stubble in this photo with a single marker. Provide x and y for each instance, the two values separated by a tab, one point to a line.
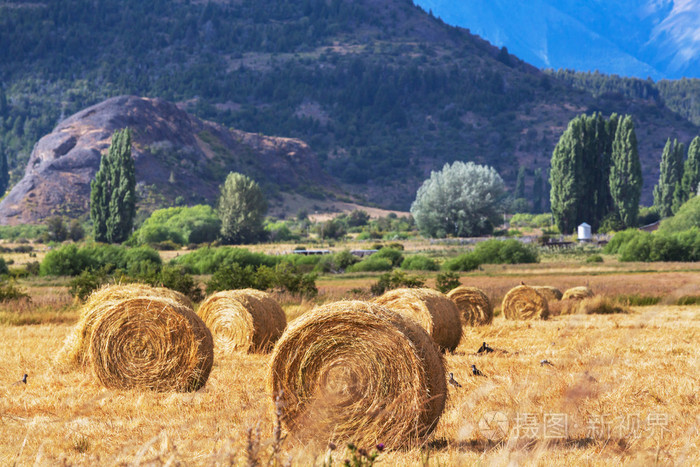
21	381
453	381
484	348
476	371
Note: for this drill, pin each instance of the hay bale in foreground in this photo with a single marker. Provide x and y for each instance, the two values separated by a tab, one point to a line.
550	293
577	293
523	302
432	310
151	343
245	320
74	350
473	304
357	372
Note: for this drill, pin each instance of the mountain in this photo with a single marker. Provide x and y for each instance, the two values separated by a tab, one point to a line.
648	38
382	92
177	157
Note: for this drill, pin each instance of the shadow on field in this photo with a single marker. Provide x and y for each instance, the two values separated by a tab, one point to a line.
482	445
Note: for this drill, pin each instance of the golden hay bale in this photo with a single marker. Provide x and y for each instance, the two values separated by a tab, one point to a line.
74	350
523	302
473	304
550	293
152	343
436	313
577	293
355	371
245	320
592	305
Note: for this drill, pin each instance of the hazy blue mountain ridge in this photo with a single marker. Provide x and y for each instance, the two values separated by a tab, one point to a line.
652	38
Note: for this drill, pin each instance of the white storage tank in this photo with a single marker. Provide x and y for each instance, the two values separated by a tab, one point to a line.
584	233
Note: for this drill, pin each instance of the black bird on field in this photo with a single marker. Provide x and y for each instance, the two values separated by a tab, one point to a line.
484	348
546	362
476	371
453	382
23	380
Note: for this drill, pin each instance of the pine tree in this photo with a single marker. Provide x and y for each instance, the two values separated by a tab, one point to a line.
520	184
4	172
691	174
538	192
113	191
625	173
669	177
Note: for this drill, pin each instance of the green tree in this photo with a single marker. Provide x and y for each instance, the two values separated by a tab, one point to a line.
538	192
691	176
520	184
669	177
4	171
625	173
463	199
241	209
113	191
565	178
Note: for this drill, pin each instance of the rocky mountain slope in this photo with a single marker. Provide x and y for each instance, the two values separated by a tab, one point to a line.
179	158
381	91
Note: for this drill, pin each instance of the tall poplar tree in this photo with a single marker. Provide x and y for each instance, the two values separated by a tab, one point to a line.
520	184
565	177
113	191
669	177
691	176
625	173
538	192
4	171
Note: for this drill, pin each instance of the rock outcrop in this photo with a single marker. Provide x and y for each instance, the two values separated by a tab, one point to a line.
177	156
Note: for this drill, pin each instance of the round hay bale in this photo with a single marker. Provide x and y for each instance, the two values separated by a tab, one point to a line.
152	343
473	304
577	293
245	320
432	310
74	350
523	302
357	372
552	294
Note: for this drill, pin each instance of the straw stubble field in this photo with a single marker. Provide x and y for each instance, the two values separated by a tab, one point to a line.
620	389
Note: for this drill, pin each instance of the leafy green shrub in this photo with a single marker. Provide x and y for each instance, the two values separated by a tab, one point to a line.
67	260
395	280
82	285
594	259
619	239
687	217
33	268
658	246
335	263
419	263
371	264
3	266
208	260
392	254
176	278
505	252
464	262
10	291
234	276
181	225
141	260
447	281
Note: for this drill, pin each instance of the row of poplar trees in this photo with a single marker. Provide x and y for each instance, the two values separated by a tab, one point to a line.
678	181
596	173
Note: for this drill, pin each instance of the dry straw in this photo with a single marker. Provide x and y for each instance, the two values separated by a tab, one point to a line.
577	293
357	372
152	343
74	350
436	313
245	320
473	304
552	294
523	302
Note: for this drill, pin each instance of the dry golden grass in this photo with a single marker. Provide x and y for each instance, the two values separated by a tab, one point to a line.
626	386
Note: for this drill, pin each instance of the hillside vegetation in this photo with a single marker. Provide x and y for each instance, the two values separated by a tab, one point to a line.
382	91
